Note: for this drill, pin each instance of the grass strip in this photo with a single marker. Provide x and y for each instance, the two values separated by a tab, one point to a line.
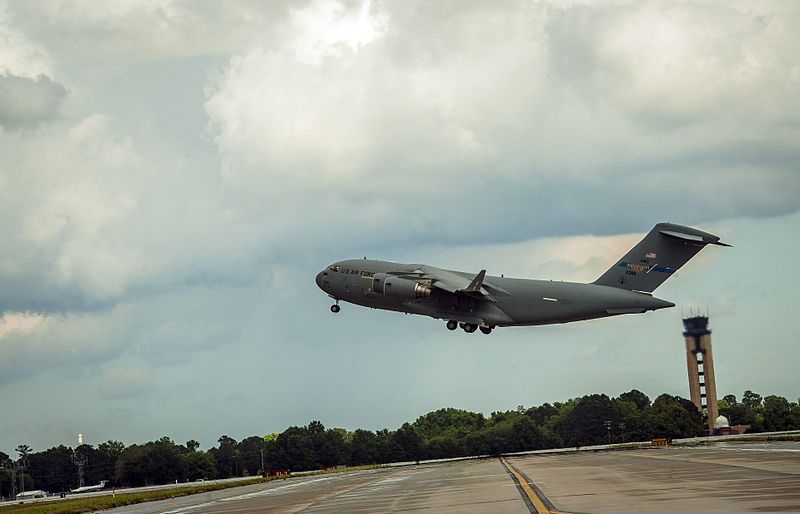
95	503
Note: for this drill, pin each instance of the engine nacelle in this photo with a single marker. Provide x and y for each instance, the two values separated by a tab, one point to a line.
389	285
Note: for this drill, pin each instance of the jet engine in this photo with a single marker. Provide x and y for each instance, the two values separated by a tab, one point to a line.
397	287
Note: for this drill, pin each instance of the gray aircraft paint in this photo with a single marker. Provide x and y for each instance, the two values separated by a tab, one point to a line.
480	300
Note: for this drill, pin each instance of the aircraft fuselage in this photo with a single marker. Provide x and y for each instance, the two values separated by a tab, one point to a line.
522	302
481	301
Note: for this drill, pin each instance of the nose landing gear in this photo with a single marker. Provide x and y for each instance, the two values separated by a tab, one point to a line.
335	307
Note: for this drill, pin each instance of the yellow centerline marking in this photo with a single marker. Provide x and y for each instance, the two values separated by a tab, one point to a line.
540	506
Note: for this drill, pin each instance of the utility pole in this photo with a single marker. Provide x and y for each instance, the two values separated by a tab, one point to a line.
622	427
607	423
13	491
80	462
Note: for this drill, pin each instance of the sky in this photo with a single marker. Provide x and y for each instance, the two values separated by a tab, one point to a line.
173	174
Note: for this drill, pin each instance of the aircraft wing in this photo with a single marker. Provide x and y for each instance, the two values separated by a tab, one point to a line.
458	284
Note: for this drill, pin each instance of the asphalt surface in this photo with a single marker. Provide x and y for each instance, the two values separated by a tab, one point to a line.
733	478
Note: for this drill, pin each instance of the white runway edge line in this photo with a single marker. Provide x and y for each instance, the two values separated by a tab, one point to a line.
265	492
747	449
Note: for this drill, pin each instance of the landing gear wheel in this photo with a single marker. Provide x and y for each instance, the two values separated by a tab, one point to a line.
486	330
335	308
452	325
470	328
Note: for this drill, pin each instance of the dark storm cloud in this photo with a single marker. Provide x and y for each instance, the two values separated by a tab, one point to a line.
25	101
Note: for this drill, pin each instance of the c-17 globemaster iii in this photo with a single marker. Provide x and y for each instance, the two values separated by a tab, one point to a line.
481	301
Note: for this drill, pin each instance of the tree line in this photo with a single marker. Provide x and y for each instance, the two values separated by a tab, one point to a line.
588	420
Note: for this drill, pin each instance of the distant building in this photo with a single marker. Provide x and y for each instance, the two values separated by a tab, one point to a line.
723	428
700	364
27	495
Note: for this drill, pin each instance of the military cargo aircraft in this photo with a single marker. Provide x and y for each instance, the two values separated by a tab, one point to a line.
484	302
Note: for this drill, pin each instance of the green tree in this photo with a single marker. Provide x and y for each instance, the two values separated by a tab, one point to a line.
777	414
751	399
228	460
332	450
409	442
291	450
200	465
456	422
675	417
250	449
737	413
24	450
388	449
542	414
5	475
585	422
156	462
641	400
363	448
5	482
104	462
53	470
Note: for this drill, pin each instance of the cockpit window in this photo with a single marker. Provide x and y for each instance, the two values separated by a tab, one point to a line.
334	268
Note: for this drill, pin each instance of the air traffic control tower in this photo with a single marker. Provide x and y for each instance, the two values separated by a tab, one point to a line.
702	386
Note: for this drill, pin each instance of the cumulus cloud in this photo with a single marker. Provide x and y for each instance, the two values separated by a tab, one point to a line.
71	344
18	54
25	101
137	30
607	104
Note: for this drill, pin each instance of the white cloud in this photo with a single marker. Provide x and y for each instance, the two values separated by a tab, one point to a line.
24	322
72	344
18	54
322	28
136	30
24	101
680	64
607	104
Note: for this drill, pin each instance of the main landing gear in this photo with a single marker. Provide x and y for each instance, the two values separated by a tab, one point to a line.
468	327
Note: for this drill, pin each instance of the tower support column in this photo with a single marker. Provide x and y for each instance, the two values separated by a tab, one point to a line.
700	365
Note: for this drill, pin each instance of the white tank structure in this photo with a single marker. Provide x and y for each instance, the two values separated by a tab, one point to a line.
722	422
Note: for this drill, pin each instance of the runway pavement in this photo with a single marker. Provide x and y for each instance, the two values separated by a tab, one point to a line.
726	477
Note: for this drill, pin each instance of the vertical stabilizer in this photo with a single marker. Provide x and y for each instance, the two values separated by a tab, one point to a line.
656	257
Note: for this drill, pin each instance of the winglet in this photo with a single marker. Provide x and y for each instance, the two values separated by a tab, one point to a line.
476	284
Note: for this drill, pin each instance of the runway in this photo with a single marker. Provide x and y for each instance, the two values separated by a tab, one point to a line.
736	477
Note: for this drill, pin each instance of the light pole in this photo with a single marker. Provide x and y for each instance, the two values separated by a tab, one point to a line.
622	427
607	423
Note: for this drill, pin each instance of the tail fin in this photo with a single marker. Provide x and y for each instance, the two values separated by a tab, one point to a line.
665	249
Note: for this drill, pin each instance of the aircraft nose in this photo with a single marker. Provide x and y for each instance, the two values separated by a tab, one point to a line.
319	280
